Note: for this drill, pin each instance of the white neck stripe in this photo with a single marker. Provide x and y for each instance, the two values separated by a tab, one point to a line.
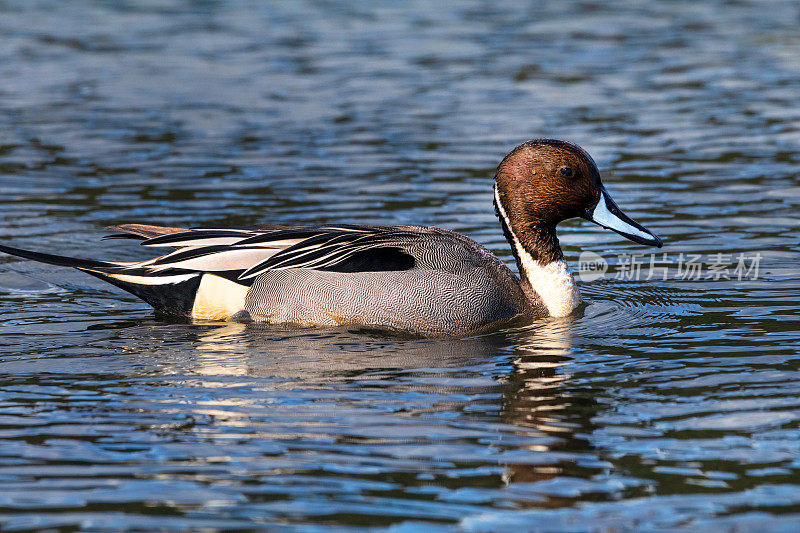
552	282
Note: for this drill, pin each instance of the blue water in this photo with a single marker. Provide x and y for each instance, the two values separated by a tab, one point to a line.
663	404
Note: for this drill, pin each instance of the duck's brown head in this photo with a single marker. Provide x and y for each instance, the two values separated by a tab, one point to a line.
545	181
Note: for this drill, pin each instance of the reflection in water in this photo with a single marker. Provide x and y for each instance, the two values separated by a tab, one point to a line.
539	401
319	355
544	421
218	352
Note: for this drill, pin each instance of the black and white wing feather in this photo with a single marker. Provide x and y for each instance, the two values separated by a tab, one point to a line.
241	255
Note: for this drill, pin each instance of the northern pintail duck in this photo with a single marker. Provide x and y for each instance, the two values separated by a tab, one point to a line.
425	280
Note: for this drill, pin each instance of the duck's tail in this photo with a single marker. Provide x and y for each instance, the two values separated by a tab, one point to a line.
59	260
168	291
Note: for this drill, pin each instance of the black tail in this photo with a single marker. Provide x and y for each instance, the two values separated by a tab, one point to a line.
170	292
58	260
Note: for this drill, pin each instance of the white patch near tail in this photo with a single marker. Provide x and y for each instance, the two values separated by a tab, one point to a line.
552	282
218	298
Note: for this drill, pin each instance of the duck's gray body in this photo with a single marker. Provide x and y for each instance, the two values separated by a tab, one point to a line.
454	286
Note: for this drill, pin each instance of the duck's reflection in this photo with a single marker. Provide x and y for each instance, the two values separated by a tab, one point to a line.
329	355
541	401
520	379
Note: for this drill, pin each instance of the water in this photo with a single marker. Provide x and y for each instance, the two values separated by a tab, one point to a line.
663	404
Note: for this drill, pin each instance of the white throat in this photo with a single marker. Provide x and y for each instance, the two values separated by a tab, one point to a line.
553	282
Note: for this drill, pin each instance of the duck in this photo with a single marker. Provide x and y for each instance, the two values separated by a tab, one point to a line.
422	280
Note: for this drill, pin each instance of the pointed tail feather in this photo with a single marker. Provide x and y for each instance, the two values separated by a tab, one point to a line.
58	260
172	294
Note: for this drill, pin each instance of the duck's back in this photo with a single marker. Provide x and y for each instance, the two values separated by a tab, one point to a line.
430	281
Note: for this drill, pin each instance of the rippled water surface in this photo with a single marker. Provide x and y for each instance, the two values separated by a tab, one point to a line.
662	404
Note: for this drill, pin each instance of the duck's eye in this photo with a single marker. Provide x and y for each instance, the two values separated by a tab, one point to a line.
566	171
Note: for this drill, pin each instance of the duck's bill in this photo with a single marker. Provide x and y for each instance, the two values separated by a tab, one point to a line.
607	214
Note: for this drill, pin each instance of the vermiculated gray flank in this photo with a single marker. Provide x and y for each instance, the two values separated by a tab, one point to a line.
454	285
